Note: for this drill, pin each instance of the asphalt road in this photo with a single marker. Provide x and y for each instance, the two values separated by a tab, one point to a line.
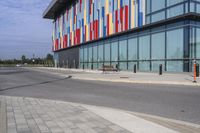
176	102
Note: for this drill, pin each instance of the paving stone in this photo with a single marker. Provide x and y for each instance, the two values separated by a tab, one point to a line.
29	115
11	130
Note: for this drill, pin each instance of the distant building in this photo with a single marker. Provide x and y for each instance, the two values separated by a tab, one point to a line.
91	33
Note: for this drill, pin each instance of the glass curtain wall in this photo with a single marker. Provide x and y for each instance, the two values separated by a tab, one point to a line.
158	50
132	52
144	53
146	49
158	10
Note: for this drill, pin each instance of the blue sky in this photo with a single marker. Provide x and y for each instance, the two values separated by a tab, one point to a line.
23	30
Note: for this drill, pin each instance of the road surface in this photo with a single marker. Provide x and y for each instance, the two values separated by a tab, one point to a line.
175	102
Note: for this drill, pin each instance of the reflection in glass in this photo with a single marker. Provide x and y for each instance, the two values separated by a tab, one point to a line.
114	51
144	47
107	52
158	45
123	50
132	49
174	45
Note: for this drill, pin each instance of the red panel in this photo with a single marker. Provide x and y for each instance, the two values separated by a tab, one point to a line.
93	31
121	18
90	31
80	5
108	27
90	7
126	17
85	33
78	36
116	21
75	38
65	41
56	44
97	29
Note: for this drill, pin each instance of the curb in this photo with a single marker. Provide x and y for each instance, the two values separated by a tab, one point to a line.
73	76
139	82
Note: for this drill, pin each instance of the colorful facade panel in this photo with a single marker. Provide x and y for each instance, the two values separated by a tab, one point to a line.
89	20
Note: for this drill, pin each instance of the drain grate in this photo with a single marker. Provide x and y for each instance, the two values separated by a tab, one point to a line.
124	77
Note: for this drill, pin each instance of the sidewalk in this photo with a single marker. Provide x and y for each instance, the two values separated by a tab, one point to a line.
31	115
127	77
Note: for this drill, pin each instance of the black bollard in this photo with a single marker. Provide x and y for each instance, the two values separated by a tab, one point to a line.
160	69
135	68
117	67
197	70
92	66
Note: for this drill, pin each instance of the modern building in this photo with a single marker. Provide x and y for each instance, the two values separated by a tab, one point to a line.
91	33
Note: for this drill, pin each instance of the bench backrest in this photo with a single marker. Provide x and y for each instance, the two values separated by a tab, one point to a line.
107	66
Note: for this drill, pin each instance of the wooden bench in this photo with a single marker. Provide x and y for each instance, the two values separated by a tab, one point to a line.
106	68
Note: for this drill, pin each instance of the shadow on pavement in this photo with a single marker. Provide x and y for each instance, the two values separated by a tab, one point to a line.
41	83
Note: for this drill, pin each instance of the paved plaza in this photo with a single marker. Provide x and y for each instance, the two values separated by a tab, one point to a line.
28	115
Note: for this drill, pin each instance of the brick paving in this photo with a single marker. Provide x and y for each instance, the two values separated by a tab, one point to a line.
29	115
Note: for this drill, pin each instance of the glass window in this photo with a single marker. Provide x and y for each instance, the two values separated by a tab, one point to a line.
107	52
90	54
148	6
175	50
95	54
123	65
148	19
81	54
158	45
192	43
175	66
100	52
175	44
144	47
198	8
131	65
175	11
100	65
81	66
198	43
114	51
95	66
123	50
158	16
132	49
144	66
192	7
157	5
89	65
156	65
85	54
173	2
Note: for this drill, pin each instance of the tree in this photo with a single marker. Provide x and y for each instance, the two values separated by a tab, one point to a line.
49	57
23	58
